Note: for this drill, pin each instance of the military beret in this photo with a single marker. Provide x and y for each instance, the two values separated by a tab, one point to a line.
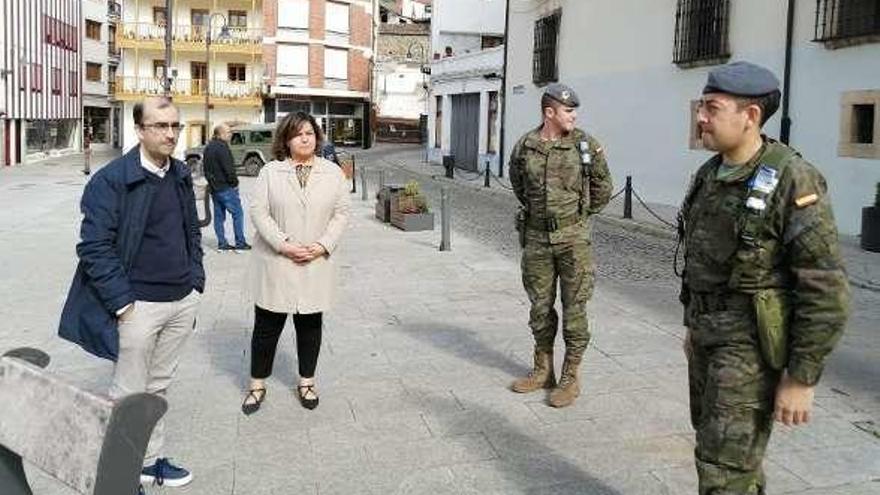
741	79
563	94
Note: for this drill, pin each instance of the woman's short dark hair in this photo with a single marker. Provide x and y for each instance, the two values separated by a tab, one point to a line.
290	126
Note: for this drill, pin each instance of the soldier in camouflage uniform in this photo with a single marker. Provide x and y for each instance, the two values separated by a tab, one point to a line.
756	226
560	176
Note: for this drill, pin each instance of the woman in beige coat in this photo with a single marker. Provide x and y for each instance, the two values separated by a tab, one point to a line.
300	207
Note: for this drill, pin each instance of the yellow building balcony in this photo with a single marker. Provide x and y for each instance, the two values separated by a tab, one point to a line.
191	91
189	38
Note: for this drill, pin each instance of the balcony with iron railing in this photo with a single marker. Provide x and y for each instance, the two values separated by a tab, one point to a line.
190	91
150	36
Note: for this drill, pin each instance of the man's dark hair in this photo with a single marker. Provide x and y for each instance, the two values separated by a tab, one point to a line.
549	102
768	104
290	126
162	102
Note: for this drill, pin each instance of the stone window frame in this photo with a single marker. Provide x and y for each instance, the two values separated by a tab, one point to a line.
846	147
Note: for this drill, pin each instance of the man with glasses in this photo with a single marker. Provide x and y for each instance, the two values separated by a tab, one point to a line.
139	280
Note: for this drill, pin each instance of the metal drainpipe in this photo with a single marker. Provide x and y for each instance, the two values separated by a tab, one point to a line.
503	94
169	27
785	128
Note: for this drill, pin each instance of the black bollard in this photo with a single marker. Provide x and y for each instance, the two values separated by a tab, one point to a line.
628	198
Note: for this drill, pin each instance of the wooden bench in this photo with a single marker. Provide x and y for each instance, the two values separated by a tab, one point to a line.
88	442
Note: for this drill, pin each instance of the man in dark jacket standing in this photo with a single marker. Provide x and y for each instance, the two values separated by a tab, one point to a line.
220	173
138	284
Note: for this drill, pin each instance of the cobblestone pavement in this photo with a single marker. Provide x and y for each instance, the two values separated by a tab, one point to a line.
416	359
636	257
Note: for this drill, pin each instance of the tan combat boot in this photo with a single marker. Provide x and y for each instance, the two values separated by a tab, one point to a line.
541	376
569	387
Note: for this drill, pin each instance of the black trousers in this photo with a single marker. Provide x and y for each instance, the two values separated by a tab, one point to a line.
267	329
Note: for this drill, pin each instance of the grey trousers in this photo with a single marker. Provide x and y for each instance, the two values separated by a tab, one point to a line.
151	338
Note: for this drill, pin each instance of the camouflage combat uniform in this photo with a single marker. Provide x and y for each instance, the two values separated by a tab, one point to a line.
560	184
794	248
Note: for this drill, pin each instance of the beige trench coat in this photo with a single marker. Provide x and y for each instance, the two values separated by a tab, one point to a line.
282	210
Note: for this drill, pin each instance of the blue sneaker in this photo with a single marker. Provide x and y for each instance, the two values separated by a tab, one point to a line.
162	472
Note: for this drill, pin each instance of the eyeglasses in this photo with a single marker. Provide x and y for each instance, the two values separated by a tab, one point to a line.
164	127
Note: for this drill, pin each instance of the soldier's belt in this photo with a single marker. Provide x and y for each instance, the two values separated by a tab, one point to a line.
553	224
727	301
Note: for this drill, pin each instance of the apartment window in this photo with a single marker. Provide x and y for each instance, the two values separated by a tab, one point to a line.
293	14
236	72
93	72
850	20
438	122
544	67
74	83
93	30
293	60
863	123
159	69
336	19
701	32
56	81
335	63
37	78
237	19
860	124
491	41
159	17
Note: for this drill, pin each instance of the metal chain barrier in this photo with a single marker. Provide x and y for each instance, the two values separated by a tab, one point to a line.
649	210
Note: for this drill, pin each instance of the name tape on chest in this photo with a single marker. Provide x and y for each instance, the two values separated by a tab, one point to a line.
584	149
765	180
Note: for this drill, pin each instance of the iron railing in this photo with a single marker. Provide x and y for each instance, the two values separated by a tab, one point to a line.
701	31
147	31
544	61
220	90
844	19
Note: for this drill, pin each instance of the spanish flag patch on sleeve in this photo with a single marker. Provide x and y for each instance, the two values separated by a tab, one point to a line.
806	200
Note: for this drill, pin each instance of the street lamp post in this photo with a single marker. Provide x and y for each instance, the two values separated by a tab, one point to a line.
224	35
423	60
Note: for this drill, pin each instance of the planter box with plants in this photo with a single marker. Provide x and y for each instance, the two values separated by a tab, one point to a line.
384	200
870	239
409	209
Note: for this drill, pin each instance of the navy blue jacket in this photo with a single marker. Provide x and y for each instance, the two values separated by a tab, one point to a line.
115	205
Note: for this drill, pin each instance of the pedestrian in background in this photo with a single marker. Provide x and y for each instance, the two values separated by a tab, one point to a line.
765	294
560	177
220	173
300	208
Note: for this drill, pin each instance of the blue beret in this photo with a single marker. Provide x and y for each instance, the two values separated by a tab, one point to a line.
741	79
563	94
